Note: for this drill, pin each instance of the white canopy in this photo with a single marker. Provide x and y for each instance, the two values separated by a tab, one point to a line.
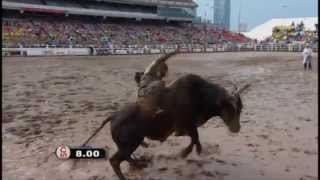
264	30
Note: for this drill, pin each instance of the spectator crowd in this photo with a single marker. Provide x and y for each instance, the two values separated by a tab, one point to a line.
293	34
45	31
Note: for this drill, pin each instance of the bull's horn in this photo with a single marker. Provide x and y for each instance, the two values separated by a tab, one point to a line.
235	88
153	66
243	88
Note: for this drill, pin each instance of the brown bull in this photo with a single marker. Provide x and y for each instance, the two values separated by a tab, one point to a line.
188	103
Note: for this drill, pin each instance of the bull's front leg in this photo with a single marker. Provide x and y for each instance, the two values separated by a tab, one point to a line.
196	140
194	135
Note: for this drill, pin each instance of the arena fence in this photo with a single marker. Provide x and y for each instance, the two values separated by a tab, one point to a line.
49	51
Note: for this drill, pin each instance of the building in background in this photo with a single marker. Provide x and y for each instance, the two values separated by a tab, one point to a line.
222	13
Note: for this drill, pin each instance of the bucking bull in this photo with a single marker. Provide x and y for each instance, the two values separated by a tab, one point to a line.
184	105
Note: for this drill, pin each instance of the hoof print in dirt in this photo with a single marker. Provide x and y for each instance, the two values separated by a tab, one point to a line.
307	177
295	149
218	173
220	161
263	136
308	152
234	164
196	162
208	174
97	178
308	119
178	171
163	169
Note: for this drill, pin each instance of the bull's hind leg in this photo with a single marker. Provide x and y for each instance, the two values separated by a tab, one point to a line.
127	141
123	154
115	162
194	135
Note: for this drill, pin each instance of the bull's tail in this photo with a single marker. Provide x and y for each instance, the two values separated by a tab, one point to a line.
97	130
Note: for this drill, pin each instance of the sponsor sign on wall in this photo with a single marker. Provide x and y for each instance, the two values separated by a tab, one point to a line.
184	50
138	51
121	51
155	51
197	50
209	49
104	51
169	50
49	51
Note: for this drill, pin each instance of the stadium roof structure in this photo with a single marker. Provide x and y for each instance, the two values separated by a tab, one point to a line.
181	3
166	9
264	30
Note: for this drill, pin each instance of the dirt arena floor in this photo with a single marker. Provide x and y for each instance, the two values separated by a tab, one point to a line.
52	101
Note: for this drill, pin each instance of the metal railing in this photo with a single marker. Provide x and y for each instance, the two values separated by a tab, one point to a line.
157	49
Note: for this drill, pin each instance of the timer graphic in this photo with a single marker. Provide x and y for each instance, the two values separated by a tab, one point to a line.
82	152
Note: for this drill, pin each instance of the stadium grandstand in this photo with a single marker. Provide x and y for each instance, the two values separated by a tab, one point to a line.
107	23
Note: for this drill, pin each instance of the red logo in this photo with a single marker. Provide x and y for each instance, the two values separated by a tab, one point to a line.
63	152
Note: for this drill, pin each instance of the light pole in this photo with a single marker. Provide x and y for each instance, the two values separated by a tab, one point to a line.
205	29
206	12
239	16
212	7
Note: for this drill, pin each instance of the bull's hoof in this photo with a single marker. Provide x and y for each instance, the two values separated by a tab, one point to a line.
144	144
185	152
199	149
137	164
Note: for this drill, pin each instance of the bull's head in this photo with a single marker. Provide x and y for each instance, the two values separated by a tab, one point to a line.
232	107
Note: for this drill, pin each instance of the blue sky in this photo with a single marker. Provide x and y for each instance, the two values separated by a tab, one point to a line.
256	12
